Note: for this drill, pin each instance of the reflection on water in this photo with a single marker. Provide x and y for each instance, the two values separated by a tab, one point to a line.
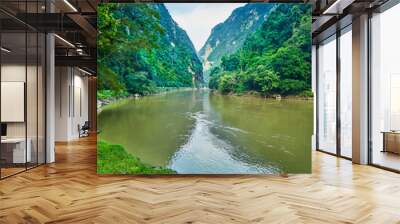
202	132
204	152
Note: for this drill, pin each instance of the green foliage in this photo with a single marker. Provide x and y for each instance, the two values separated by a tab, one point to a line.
214	77
266	81
107	94
109	80
306	93
291	86
137	82
227	83
276	59
227	37
140	48
230	62
113	159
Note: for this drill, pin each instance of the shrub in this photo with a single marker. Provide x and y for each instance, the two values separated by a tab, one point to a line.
107	94
292	86
306	93
227	83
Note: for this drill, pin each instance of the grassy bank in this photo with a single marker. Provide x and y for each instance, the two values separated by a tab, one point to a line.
303	96
113	159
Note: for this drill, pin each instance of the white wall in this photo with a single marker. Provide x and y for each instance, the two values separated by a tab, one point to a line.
33	126
13	101
17	73
71	102
80	105
62	81
12	73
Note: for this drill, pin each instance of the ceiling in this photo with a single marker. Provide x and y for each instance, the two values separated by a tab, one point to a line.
74	21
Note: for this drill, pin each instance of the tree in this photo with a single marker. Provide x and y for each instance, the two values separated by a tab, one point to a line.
266	80
276	59
230	62
119	37
227	83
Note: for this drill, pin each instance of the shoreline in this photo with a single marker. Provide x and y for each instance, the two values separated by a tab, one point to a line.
101	103
105	102
258	95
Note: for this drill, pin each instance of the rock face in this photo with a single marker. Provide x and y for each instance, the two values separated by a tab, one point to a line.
177	48
230	35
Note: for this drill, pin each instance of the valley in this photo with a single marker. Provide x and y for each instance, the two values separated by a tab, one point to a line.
175	110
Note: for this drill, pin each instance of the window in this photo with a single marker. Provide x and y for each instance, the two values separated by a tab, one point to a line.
346	92
22	98
385	89
327	95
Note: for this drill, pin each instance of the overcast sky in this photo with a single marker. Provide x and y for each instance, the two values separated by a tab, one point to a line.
197	19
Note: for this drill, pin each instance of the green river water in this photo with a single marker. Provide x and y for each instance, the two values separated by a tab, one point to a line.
200	132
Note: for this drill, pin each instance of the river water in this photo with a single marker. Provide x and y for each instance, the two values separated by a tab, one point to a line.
200	132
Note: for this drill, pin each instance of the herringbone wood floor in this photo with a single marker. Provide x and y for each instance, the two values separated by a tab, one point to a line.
69	191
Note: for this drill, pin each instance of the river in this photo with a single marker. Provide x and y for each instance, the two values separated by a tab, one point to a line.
200	132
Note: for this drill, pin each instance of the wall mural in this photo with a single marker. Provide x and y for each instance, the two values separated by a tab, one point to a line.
197	88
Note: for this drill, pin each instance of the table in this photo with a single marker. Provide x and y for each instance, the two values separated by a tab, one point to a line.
13	150
391	141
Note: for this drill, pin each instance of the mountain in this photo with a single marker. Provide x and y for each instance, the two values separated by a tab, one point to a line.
177	49
230	35
141	48
275	59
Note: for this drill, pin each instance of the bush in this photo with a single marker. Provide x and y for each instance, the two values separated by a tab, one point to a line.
113	159
306	93
266	81
138	83
213	83
292	86
227	83
107	94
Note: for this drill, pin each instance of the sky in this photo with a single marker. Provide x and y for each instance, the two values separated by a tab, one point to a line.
197	19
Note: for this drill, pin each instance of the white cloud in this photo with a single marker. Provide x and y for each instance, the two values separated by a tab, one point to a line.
197	19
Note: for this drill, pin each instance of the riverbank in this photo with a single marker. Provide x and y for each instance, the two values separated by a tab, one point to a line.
259	95
101	103
106	100
199	132
113	159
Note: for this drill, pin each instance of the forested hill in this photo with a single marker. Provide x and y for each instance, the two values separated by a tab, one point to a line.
229	36
179	49
140	48
275	59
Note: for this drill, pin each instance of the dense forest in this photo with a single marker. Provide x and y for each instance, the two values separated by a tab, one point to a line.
228	36
264	48
141	48
275	59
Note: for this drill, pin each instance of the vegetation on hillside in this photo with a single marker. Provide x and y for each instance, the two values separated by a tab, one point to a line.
141	48
228	36
276	59
113	159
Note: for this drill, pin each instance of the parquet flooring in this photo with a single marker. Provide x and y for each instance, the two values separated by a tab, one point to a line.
70	191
